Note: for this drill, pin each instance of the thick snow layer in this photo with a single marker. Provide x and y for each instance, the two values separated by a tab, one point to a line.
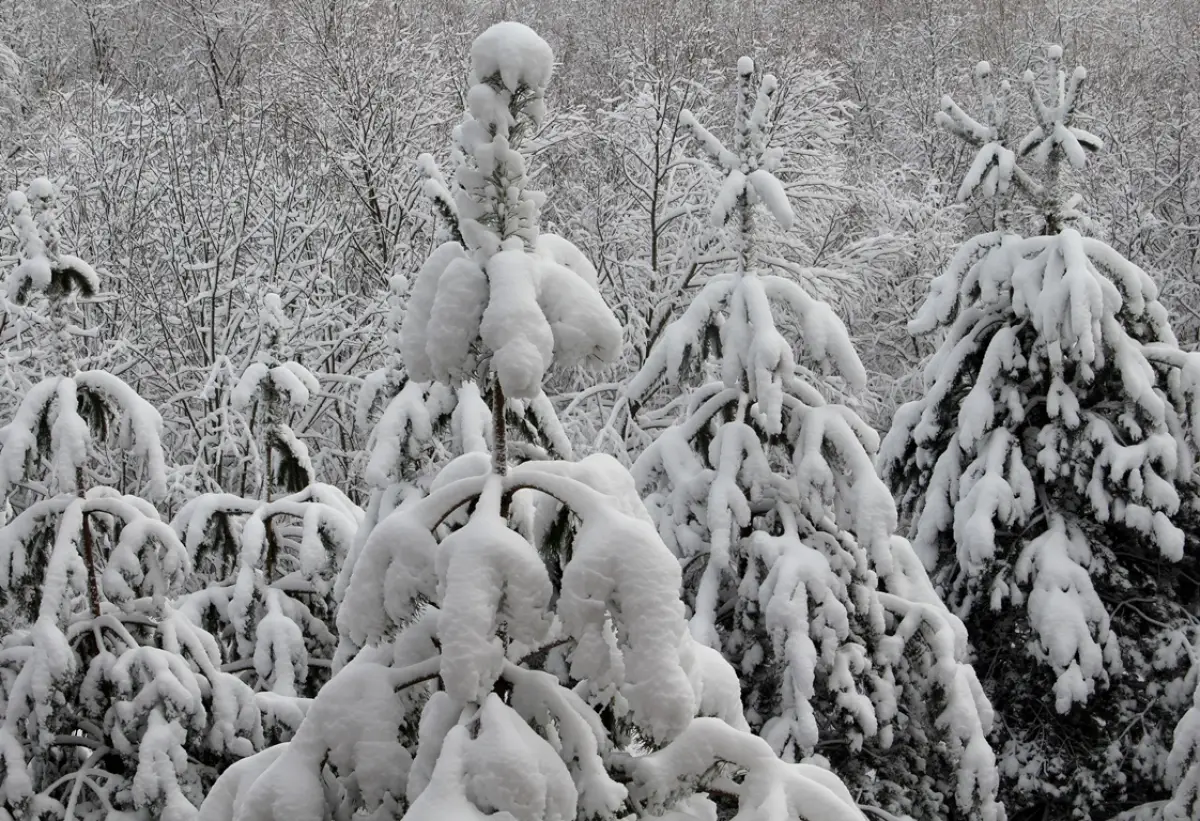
514	327
415	327
531	310
516	53
248	386
454	320
1065	612
352	727
771	790
511	769
584	329
229	792
490	579
1069	289
771	193
1067	454
1183	762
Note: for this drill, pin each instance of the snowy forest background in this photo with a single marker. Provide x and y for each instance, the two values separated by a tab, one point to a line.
224	213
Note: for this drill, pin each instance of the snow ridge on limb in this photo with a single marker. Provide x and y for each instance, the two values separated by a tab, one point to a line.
1048	465
768	495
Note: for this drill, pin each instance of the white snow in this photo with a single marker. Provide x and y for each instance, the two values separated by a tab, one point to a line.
514	52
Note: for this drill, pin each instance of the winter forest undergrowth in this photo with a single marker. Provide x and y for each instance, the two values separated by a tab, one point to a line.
679	410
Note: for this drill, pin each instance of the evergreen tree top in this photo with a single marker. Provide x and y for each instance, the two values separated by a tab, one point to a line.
1054	135
499	293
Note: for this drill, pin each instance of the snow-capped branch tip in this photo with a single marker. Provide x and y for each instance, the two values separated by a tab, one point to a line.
1054	131
272	315
516	53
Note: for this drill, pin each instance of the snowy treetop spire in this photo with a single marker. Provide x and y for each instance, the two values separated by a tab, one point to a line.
499	292
749	167
510	67
272	323
753	352
1053	136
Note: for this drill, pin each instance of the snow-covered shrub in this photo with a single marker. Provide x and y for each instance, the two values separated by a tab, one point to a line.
266	567
767	494
523	648
1047	472
265	583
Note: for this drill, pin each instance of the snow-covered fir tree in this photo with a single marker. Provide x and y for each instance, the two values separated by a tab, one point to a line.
767	494
1048	472
524	652
112	703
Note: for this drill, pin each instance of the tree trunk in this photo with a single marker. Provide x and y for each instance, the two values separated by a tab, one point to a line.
89	552
499	432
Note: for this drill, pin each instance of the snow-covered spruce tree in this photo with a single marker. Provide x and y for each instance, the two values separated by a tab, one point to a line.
1047	472
768	495
1183	762
111	702
532	661
266	567
425	423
